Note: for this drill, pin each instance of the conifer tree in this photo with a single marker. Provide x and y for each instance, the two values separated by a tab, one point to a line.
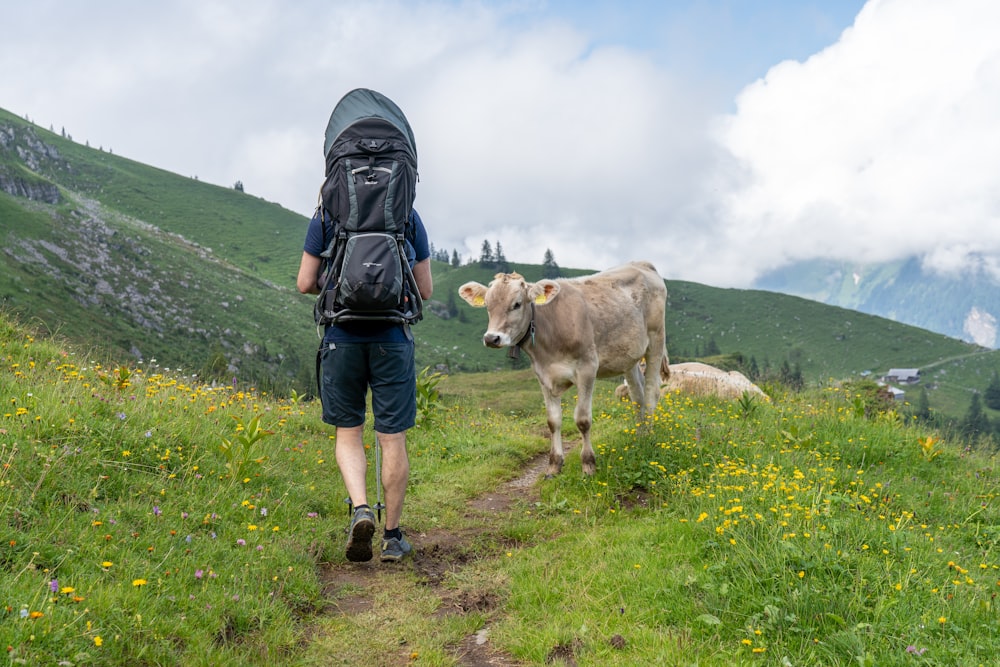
992	394
923	411
712	348
975	422
486	255
549	267
501	260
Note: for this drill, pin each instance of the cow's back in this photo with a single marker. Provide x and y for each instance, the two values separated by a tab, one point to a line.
606	316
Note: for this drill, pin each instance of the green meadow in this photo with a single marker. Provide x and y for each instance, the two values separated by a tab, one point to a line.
149	519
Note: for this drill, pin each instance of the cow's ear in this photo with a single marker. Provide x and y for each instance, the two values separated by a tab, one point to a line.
543	291
474	294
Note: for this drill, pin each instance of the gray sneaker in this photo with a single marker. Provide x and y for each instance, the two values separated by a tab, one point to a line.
359	538
394	549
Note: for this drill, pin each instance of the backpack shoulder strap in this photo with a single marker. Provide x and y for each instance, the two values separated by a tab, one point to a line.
329	232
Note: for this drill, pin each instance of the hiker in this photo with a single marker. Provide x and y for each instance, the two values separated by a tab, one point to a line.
379	355
367	256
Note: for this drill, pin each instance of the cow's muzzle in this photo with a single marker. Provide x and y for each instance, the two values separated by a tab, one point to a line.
493	339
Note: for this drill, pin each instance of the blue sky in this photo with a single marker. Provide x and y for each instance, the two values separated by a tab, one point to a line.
718	139
735	41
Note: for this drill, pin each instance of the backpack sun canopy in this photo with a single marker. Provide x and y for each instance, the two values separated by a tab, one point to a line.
361	104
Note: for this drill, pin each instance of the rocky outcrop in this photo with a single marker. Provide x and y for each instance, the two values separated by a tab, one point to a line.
32	152
40	191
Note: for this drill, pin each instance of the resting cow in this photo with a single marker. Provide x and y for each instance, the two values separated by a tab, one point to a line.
697	379
576	330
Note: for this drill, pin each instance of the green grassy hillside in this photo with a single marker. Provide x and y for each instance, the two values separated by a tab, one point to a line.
136	262
239	229
133	261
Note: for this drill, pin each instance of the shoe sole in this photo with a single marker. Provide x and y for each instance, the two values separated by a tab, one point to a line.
393	557
359	546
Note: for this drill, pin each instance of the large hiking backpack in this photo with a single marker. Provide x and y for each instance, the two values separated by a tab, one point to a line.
365	204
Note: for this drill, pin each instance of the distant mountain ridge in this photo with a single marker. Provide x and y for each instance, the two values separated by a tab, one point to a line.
966	307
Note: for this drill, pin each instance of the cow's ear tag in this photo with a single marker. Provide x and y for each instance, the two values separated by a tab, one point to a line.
540	299
479	300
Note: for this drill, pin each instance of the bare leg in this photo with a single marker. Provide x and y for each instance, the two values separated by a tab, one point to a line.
353	463
395	474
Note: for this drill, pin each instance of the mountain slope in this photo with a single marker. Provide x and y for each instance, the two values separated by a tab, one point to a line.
145	264
965	306
142	264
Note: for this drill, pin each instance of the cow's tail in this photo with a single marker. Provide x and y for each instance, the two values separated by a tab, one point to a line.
665	366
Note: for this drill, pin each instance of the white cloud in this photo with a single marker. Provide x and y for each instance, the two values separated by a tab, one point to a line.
527	133
540	135
535	137
883	145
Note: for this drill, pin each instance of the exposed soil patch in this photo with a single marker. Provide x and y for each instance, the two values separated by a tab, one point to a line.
435	554
564	654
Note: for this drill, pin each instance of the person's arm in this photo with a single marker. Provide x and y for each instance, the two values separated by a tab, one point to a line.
422	254
308	279
425	282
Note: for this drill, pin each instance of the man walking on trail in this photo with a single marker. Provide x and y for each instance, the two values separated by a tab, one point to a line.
356	356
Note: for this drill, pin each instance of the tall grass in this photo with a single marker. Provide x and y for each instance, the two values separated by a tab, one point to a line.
127	533
794	532
151	520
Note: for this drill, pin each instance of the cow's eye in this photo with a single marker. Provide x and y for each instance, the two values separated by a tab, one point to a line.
517	304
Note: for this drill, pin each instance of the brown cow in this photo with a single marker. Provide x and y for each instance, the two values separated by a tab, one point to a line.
576	330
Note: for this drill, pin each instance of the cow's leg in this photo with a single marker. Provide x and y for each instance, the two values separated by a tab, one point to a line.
636	385
651	391
583	417
553	411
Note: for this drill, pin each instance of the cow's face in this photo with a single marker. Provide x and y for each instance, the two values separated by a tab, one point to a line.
508	302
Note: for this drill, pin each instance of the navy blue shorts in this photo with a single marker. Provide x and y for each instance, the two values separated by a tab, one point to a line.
348	370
